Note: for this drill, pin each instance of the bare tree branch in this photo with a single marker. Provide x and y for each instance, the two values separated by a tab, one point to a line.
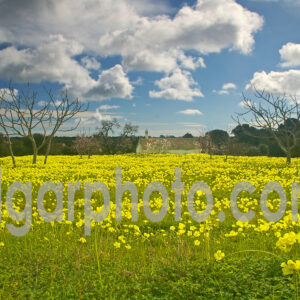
277	114
22	115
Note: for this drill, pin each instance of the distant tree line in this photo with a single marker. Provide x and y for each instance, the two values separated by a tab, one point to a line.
102	142
246	140
215	142
29	127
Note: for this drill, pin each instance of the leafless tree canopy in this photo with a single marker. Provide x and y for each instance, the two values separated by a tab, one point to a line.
121	144
277	114
129	130
23	114
85	145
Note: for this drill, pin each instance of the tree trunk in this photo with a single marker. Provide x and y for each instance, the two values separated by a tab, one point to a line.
11	152
288	157
47	151
34	158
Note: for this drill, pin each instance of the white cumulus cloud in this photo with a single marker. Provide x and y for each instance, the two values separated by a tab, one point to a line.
190	112
47	37
276	82
111	83
180	85
90	63
209	26
225	88
290	55
229	85
53	61
8	94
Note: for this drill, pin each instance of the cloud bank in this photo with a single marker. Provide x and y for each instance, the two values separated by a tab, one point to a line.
46	38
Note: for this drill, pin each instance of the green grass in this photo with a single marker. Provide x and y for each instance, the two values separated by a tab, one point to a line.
158	268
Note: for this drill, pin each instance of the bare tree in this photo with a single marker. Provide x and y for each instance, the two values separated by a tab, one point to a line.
79	145
276	114
63	111
4	115
127	138
207	144
107	127
129	129
84	145
23	115
20	116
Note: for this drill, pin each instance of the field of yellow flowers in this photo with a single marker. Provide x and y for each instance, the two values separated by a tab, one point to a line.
147	260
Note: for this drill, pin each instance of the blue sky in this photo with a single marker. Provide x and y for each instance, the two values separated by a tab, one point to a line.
168	66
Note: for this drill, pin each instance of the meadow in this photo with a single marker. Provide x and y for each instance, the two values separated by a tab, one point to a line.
147	260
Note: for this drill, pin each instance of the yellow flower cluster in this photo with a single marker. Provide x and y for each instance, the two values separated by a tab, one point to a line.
291	266
213	234
286	242
219	255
